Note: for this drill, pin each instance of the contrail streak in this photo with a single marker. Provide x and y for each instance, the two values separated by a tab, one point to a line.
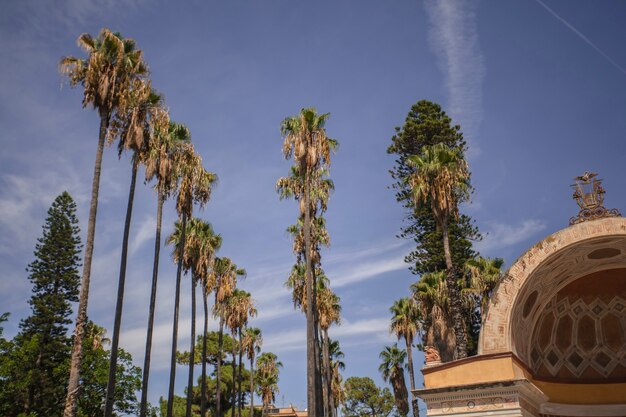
581	36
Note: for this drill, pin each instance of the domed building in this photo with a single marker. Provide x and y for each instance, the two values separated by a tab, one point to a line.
554	339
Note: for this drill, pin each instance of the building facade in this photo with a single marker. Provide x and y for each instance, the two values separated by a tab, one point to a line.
554	339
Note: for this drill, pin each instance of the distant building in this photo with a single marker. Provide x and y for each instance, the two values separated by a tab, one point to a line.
290	411
554	339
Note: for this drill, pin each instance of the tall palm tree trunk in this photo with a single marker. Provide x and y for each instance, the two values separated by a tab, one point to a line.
252	386
233	394
218	383
455	299
110	396
204	333
324	378
310	318
192	349
81	318
179	270
240	400
409	354
399	391
330	400
153	290
319	391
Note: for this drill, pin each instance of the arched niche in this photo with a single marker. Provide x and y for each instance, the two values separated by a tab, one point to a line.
562	276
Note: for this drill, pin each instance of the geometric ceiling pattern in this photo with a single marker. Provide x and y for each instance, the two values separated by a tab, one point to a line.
583	339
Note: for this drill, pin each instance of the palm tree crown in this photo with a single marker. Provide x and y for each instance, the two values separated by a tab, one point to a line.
404	320
441	178
111	66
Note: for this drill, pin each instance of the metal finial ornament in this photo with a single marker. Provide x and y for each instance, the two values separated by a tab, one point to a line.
589	196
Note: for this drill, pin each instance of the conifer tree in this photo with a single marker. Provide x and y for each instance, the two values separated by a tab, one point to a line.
40	355
425	125
428	124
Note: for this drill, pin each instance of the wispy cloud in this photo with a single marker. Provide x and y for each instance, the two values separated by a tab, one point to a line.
24	200
355	273
351	267
143	233
454	39
41	17
377	326
582	36
293	340
500	235
343	267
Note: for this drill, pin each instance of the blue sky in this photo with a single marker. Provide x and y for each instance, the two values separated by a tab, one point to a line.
538	88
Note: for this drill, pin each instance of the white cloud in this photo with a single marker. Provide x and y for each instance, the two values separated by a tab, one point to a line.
374	326
143	232
376	329
354	273
289	340
502	235
24	201
454	39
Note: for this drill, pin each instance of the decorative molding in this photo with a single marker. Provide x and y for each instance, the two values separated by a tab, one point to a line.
512	397
578	410
478	358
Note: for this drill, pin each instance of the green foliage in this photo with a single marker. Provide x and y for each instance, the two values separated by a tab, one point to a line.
35	364
39	356
425	125
3	317
364	398
267	377
94	377
179	407
226	373
392	370
54	273
428	124
182	358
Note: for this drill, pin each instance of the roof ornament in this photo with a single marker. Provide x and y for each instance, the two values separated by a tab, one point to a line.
589	196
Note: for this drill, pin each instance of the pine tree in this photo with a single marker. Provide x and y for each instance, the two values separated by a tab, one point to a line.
428	124
425	125
43	346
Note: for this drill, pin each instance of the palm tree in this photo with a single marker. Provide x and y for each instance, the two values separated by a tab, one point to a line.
441	180
336	365
267	377
97	335
111	66
296	283
206	290
208	244
164	152
404	324
329	311
251	344
433	301
182	239
238	308
305	138
194	186
223	278
142	113
203	245
484	274
392	370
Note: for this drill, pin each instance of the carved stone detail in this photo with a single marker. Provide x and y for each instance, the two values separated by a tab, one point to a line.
432	356
547	267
